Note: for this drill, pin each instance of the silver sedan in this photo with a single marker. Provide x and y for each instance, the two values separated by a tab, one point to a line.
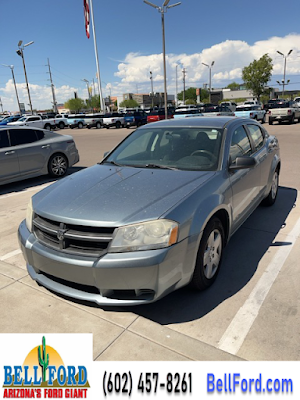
29	152
155	214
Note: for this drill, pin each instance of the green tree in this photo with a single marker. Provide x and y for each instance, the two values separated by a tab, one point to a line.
257	75
190	94
190	101
233	86
75	105
129	104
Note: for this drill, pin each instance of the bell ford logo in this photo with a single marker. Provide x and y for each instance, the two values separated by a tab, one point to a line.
61	234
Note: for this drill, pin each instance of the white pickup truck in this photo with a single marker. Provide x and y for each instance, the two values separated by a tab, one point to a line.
35	121
114	119
61	120
284	111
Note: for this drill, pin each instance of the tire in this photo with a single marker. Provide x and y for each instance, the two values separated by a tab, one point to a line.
271	198
270	121
98	125
209	255
292	119
61	125
48	127
264	119
80	125
58	165
118	125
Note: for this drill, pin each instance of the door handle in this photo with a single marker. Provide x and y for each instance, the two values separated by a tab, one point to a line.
7	153
46	146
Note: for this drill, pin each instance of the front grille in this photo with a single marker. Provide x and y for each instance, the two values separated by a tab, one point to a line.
70	238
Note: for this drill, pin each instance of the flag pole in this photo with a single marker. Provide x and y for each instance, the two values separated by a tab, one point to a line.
102	105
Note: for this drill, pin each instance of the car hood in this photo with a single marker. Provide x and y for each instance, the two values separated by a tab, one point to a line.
113	196
16	123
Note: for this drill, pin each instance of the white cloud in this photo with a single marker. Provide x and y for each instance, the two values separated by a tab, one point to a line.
230	57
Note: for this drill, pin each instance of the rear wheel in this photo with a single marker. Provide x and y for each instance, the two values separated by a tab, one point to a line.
48	127
98	125
61	125
58	165
80	125
271	198
209	255
292	119
118	124
270	121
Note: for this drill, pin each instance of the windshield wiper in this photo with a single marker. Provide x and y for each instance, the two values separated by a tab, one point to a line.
160	166
112	162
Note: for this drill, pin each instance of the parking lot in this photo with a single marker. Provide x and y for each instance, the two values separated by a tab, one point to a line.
251	312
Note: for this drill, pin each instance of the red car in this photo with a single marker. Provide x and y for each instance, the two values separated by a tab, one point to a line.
158	115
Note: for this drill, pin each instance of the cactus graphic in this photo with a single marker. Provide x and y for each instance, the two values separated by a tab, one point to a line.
44	362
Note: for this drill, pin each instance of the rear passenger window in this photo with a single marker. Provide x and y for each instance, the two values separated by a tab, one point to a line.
240	144
256	136
22	136
40	135
4	142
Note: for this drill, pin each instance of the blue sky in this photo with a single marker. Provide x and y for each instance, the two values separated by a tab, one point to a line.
129	37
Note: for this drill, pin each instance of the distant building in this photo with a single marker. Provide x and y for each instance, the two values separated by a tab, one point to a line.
62	110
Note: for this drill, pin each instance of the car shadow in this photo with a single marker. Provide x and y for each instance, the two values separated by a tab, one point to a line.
240	261
22	185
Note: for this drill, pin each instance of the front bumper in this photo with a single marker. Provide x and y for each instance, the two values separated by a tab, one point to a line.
113	279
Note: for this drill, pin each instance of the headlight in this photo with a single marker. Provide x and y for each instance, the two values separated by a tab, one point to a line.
144	236
29	215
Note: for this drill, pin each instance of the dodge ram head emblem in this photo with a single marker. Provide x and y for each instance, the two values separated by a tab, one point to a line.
61	234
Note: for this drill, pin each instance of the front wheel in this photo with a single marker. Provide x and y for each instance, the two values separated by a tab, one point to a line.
48	127
98	125
270	121
80	125
292	119
61	125
58	165
271	198
209	255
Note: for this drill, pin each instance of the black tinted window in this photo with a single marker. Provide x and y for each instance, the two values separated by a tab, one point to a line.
240	144
40	135
22	136
256	135
4	142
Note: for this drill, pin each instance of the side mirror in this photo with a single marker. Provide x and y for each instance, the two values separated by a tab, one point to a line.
243	162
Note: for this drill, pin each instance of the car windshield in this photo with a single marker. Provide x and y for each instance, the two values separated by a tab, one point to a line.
22	119
193	149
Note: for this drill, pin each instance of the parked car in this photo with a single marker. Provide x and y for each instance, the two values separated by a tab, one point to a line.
114	119
35	121
217	111
155	214
135	118
61	120
94	120
250	111
297	100
158	115
272	102
9	118
27	152
76	121
187	113
284	111
230	104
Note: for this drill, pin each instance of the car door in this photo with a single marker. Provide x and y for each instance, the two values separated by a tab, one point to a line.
9	162
245	183
33	152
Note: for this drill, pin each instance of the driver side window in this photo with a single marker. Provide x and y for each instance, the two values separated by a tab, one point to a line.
240	144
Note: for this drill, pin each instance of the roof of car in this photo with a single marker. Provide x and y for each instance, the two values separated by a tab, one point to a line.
216	122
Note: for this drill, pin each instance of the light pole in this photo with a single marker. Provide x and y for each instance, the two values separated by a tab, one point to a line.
87	86
152	94
13	76
183	80
283	81
209	67
163	9
20	53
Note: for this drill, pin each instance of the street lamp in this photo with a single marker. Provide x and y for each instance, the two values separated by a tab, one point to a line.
209	67
163	9
88	86
13	76
20	53
283	81
152	93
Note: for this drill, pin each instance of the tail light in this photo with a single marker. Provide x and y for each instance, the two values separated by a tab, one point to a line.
269	112
218	115
289	112
251	115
